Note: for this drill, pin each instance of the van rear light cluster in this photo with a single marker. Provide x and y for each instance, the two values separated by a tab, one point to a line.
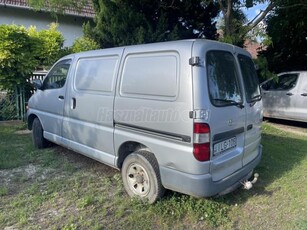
201	145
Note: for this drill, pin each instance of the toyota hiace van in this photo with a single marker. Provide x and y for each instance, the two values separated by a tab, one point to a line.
182	115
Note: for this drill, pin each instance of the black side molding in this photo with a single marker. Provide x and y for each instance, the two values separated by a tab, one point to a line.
173	136
249	127
225	135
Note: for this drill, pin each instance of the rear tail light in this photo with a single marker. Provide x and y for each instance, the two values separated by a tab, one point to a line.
201	145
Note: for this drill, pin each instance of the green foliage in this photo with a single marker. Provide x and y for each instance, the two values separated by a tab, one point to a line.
141	21
3	191
233	21
84	44
16	55
22	50
263	69
48	44
287	28
57	6
7	108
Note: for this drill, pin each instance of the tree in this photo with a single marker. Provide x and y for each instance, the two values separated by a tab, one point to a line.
122	22
235	24
287	29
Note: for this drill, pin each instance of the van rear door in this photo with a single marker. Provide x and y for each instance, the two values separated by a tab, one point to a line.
253	107
227	113
219	92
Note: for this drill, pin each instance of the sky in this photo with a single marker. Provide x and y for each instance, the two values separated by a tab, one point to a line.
252	12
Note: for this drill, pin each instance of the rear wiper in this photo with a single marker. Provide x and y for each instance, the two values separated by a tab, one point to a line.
256	98
232	102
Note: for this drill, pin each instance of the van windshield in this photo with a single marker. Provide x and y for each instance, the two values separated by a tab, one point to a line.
250	78
223	81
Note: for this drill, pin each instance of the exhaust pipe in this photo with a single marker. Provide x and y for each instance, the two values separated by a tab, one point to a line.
249	184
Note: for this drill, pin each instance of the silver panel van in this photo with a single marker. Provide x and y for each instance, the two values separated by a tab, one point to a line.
285	96
182	115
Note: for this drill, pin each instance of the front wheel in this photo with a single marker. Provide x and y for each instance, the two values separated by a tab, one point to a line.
141	176
37	135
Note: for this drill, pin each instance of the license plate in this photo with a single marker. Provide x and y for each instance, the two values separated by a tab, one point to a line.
224	145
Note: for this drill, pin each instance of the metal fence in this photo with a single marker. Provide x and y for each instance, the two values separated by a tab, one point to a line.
13	103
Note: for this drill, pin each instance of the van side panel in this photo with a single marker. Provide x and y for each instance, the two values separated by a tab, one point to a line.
88	113
153	102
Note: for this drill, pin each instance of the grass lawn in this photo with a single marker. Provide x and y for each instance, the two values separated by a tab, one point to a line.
58	189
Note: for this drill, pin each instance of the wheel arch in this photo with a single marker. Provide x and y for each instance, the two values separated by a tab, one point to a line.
127	148
30	120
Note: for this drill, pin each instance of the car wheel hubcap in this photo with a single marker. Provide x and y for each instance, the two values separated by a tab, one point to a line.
138	179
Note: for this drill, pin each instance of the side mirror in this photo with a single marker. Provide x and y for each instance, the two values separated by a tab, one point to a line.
37	84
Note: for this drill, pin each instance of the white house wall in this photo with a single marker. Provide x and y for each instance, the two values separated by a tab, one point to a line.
69	26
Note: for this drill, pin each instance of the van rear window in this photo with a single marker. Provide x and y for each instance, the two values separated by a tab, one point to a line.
223	81
250	78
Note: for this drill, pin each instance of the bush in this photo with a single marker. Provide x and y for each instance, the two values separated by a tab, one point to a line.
22	51
48	45
84	44
16	55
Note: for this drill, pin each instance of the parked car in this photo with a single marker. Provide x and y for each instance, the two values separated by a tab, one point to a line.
183	115
285	96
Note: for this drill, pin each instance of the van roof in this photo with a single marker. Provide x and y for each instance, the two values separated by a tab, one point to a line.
158	44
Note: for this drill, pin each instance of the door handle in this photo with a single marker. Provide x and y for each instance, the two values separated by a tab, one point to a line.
249	127
61	97
73	103
289	94
304	94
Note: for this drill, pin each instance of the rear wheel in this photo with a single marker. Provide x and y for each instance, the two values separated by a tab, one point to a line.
37	135
141	176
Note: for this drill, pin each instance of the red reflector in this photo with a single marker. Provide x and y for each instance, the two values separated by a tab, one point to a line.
202	151
201	128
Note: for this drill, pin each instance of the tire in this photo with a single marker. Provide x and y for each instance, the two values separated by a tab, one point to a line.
141	176
37	135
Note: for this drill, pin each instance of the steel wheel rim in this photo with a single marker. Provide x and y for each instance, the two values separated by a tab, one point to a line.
138	179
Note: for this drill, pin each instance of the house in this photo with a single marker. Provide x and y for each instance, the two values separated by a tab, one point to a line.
253	47
70	23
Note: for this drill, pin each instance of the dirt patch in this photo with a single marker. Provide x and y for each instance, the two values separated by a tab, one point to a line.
21	132
11	123
15	179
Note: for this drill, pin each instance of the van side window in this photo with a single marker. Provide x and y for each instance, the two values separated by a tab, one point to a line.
282	82
96	73
151	76
223	81
57	76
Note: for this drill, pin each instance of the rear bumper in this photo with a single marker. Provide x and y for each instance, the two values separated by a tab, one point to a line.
203	185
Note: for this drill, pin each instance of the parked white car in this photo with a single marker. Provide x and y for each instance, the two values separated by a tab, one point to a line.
285	96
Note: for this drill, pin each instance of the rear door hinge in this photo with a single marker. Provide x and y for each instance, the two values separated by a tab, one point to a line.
202	114
194	61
